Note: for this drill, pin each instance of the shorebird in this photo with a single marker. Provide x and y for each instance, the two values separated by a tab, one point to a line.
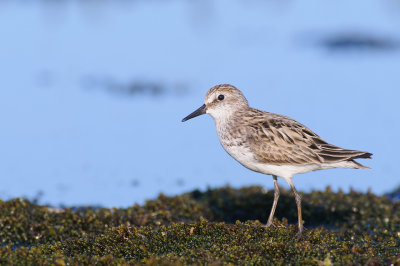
271	144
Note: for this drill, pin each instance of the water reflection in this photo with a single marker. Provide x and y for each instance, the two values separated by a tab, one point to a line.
135	87
359	41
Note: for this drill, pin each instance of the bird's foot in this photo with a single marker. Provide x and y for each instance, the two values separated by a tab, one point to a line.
299	233
270	223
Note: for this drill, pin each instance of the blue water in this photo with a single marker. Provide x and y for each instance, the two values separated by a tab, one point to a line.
92	92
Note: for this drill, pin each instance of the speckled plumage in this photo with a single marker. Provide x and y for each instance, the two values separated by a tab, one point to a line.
271	143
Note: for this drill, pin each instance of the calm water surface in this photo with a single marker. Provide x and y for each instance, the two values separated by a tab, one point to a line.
92	92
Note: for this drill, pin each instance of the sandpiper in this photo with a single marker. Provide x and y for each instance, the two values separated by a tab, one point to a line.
270	143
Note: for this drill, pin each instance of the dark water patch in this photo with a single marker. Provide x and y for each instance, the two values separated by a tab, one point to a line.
134	87
358	41
180	182
135	183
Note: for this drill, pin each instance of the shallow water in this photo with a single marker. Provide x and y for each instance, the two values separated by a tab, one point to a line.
92	92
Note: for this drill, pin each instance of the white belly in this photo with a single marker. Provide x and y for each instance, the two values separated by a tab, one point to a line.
240	151
246	157
243	155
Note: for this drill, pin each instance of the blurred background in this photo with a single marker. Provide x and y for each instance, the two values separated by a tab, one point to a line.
92	93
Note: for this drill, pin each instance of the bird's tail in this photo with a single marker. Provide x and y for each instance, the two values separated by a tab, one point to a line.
364	155
358	165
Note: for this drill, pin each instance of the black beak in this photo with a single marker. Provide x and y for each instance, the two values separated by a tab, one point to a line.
200	111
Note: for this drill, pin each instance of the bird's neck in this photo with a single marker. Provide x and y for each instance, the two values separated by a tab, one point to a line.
226	124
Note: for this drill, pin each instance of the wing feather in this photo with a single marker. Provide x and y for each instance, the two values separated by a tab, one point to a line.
277	139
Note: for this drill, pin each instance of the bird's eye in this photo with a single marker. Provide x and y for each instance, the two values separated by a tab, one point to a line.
220	97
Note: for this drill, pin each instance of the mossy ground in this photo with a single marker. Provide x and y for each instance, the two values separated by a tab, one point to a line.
217	226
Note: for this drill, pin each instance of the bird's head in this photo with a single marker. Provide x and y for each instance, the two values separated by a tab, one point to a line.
221	102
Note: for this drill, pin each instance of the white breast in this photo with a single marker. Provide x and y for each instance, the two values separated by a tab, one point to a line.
242	154
236	147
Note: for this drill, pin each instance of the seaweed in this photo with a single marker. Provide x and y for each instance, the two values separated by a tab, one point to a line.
217	226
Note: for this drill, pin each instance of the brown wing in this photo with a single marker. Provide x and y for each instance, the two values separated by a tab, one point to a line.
277	139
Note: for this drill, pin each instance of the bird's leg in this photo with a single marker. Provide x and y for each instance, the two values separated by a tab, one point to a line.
298	203
276	197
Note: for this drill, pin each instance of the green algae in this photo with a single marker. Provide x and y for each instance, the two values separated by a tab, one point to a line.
218	226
